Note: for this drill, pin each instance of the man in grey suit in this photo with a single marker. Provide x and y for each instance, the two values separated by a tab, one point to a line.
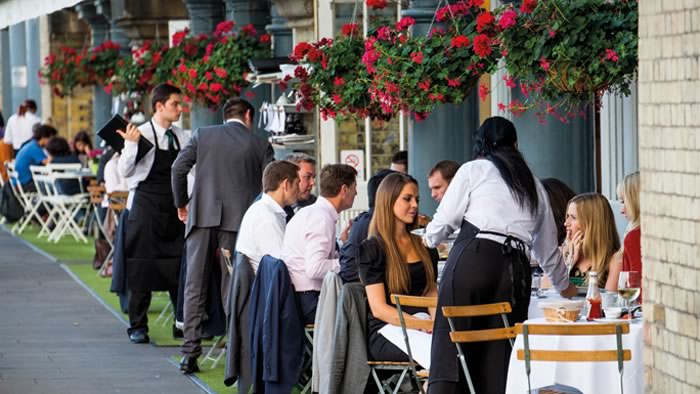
228	176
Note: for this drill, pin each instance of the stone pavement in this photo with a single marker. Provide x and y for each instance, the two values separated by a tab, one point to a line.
56	338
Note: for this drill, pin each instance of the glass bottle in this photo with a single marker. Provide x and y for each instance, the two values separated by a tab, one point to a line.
593	299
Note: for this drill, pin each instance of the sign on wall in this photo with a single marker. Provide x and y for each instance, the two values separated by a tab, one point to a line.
19	76
356	159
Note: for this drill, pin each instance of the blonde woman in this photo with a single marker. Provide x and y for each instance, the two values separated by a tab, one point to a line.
592	241
393	261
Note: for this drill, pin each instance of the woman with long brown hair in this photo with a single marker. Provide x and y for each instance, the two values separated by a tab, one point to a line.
592	241
393	261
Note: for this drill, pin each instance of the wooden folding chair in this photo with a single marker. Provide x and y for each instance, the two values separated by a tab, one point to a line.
116	204
619	354
421	302
470	336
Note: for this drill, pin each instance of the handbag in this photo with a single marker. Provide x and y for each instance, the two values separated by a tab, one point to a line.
10	206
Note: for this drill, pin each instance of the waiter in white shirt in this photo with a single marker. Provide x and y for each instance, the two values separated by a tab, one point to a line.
262	228
309	249
154	235
502	210
20	126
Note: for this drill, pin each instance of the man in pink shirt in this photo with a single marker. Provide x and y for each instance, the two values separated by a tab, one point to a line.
309	249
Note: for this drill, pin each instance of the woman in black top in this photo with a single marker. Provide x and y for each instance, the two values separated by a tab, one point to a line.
393	261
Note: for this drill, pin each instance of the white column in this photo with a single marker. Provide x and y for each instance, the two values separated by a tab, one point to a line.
619	140
328	134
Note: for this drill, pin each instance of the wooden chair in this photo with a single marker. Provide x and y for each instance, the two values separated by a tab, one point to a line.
619	354
493	334
420	302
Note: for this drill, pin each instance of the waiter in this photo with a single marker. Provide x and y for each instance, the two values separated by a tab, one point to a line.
154	235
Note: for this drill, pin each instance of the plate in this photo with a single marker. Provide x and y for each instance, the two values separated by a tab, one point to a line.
616	320
421	232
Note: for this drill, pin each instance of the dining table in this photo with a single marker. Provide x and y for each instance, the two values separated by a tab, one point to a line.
587	377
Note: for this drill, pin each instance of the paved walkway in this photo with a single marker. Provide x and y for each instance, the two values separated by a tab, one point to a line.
56	338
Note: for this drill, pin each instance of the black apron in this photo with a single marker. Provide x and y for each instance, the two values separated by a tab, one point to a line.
480	271
155	235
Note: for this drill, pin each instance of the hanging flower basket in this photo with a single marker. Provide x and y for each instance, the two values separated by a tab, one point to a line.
63	72
213	67
136	74
334	78
417	73
100	62
565	53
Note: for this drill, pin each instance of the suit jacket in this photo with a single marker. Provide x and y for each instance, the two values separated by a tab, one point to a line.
349	369
276	329
230	161
348	252
238	358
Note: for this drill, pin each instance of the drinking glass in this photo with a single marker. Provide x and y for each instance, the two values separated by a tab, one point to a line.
629	285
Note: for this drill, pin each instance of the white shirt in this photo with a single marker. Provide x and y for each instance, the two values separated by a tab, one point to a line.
262	230
19	129
136	172
479	195
308	249
113	181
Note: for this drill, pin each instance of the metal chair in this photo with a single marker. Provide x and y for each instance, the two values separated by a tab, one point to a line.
29	200
493	334
422	302
619	354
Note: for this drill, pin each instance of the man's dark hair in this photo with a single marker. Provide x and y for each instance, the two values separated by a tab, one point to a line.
446	168
276	172
373	184
58	146
161	93
44	131
334	176
300	157
236	108
400	157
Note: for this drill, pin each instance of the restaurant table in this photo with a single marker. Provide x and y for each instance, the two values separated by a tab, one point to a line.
588	377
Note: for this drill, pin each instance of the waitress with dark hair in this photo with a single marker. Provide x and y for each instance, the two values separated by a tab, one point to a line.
502	211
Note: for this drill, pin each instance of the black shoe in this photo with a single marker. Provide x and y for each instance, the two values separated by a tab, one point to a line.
177	333
189	365
139	337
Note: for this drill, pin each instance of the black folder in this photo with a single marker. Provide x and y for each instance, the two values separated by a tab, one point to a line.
109	134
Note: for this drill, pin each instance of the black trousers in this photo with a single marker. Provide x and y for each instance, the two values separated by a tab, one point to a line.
139	302
380	349
481	272
308	301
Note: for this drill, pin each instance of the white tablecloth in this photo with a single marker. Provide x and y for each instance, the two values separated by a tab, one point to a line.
599	377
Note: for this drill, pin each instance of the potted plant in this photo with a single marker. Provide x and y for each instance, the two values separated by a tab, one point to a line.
565	53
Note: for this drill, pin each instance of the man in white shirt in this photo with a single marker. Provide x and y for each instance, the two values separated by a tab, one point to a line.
262	229
309	248
154	236
20	126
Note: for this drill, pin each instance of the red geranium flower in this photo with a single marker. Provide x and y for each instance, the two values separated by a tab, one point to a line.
376	4
248	29
215	87
482	45
453	83
339	81
220	72
193	73
417	57
484	21
350	29
265	38
405	23
337	99
223	27
528	6
179	36
460	41
507	20
544	64
483	91
611	55
424	85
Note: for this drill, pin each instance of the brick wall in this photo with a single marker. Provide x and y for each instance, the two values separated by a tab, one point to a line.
669	156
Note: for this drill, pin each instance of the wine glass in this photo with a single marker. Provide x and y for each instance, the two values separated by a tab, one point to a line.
629	285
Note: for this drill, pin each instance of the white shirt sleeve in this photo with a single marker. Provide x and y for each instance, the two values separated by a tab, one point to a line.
318	244
545	248
9	127
127	161
450	213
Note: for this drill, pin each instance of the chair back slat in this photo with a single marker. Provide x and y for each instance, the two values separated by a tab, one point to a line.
573	329
493	334
419	324
117	200
476	310
96	193
574	355
422	302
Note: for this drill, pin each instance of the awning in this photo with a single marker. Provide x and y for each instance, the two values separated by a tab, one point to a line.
16	11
